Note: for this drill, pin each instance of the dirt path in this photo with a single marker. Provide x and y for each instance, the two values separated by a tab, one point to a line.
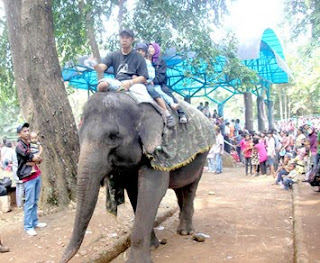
247	219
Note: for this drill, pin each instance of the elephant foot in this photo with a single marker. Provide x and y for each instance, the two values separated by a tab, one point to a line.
185	230
140	257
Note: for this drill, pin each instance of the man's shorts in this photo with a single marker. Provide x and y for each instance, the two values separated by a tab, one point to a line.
113	84
270	160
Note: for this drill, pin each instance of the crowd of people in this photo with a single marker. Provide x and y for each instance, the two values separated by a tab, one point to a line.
286	153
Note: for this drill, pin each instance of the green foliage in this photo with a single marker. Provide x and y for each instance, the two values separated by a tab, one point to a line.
9	105
303	16
70	25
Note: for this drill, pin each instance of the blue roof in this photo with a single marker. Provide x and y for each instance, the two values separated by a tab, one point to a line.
264	54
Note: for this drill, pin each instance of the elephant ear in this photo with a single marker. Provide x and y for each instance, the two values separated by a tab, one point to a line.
151	128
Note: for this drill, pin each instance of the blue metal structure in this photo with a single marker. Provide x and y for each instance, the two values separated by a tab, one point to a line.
262	53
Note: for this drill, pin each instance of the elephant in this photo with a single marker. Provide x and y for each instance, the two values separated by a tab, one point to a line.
115	133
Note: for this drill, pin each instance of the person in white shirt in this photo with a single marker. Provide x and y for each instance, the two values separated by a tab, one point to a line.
218	150
7	153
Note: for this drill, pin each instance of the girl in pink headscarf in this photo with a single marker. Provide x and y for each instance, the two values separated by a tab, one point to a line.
160	80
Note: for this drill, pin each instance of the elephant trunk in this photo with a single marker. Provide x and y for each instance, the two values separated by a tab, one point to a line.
91	170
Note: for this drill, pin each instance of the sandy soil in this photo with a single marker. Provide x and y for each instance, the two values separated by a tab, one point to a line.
247	218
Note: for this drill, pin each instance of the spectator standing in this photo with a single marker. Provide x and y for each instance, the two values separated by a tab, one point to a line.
227	137
271	152
206	110
232	130
218	151
31	181
313	145
200	106
318	151
262	153
215	114
247	152
211	163
7	153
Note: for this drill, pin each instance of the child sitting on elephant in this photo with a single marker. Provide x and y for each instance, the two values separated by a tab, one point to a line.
160	80
142	49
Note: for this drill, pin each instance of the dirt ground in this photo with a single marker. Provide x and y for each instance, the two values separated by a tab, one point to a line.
246	218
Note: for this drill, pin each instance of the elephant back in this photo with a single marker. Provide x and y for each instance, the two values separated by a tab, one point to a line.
183	143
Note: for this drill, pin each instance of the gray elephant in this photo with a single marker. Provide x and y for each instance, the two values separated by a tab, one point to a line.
116	137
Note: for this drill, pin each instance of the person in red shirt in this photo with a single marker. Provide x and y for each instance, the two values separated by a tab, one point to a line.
247	153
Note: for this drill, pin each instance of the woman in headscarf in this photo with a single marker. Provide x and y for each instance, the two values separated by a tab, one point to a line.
161	76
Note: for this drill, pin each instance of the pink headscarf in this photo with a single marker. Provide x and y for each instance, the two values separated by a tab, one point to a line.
157	52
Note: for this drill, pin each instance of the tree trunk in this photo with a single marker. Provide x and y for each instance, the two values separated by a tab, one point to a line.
91	34
261	114
43	98
248	111
120	14
270	114
280	102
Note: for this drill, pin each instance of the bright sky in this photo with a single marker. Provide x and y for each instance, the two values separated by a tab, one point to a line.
251	16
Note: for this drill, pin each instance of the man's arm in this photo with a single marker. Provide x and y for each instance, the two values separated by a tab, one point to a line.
22	151
128	83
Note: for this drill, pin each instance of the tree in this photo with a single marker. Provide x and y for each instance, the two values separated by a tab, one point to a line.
303	14
42	96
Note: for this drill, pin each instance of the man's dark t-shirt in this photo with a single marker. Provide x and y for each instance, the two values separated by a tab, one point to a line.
125	66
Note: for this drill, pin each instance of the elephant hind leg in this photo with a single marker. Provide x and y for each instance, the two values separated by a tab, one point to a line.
185	196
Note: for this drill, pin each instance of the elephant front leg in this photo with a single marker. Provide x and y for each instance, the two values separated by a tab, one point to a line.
185	196
152	187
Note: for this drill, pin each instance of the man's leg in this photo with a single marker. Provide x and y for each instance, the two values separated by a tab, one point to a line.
156	96
29	188
139	91
107	84
36	199
219	163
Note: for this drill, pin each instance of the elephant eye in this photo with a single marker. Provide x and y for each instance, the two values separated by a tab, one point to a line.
113	139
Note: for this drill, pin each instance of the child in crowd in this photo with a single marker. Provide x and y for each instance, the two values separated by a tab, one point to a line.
35	148
255	157
235	155
210	157
283	172
291	178
259	145
247	153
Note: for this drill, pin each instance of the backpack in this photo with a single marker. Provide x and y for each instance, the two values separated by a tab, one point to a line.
6	182
3	190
